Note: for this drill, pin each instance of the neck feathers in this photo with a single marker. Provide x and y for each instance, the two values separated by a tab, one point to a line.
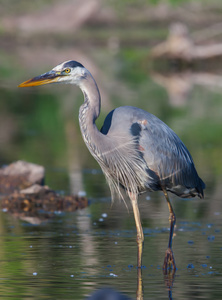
92	101
89	112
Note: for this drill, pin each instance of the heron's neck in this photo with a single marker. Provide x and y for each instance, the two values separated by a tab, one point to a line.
89	112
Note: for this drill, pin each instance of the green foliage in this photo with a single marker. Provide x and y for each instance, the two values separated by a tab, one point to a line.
132	69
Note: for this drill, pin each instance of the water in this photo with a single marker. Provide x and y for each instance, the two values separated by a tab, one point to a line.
71	255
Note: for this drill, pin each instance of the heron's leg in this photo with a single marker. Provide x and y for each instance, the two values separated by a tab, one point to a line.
169	258
139	292
139	229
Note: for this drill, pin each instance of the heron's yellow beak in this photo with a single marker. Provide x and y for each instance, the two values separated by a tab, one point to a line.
49	77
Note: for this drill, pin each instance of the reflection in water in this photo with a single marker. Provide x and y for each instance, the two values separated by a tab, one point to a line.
107	294
177	85
169	275
111	294
169	280
77	252
88	246
180	84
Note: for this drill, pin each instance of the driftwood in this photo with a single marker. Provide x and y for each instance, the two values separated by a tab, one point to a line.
25	197
180	45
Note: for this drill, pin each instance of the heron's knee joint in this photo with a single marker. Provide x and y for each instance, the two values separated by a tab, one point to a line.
172	217
140	239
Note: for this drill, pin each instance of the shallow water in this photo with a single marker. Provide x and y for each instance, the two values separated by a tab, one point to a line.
72	254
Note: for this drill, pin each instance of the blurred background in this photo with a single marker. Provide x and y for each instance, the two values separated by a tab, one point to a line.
162	56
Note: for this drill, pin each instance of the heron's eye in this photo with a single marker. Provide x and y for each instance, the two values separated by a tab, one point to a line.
67	70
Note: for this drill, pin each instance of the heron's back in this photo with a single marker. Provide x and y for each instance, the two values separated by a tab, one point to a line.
165	158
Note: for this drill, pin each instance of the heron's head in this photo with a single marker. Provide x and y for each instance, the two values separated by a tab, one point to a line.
68	72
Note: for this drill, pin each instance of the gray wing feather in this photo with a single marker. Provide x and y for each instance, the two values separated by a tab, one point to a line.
166	156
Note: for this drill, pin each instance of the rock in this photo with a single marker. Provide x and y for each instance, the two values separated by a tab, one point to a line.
20	175
25	197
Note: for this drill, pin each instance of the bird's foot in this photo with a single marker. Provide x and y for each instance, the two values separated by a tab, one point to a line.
169	269
169	265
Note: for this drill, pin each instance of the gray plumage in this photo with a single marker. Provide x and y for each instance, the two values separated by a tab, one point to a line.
162	154
135	149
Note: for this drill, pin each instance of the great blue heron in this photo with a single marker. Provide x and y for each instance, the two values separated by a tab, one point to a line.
135	149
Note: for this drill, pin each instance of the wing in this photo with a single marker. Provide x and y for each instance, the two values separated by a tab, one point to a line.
168	157
164	153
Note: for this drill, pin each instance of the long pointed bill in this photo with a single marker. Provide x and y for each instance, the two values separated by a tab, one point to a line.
49	77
